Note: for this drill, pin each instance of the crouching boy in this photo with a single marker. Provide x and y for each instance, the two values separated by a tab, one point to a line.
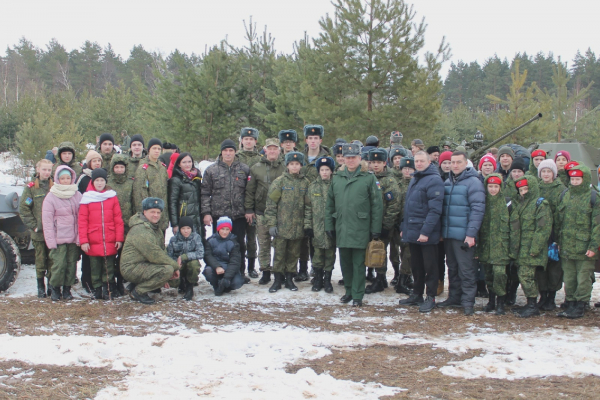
187	249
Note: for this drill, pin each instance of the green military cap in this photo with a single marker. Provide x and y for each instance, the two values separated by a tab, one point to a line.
249	132
350	150
314	130
289	134
378	155
272	142
294	156
407	162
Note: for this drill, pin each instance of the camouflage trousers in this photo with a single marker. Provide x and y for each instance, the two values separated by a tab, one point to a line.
324	259
305	250
287	252
190	270
251	240
578	285
527	278
495	278
64	264
147	276
103	270
551	278
264	244
405	266
395	247
43	262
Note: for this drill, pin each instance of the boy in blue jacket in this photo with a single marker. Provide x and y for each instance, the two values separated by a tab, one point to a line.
187	249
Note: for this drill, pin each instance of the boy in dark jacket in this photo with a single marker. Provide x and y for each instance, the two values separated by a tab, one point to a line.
404	283
222	257
187	249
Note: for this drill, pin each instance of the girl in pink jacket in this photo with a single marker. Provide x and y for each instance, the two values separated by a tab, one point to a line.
59	220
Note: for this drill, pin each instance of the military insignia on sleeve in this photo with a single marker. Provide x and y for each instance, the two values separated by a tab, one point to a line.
31	184
378	185
164	165
145	166
249	177
389	196
28	200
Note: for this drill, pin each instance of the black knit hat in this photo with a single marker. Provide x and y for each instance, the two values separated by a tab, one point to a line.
518	163
228	144
137	138
326	161
99	173
377	155
433	149
106	136
372	141
186	221
167	146
289	134
154	142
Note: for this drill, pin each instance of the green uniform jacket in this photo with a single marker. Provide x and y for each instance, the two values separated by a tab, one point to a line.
145	243
403	187
390	194
509	189
530	227
494	234
532	171
551	192
30	207
578	228
123	185
314	213
151	181
133	163
309	170
249	157
262	174
285	205
354	207
74	165
106	159
564	178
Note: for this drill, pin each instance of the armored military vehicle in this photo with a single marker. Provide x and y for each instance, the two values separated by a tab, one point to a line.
581	152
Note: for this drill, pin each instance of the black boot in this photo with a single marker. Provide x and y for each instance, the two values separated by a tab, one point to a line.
114	293
396	268
106	295
49	288
182	286
66	295
543	298
130	287
530	309
266	278
511	295
289	281
500	305
370	276
376	286
97	293
251	272
277	283
327	282
481	290
401	287
120	287
341	282
347	298
549	305
566	309
318	285
41	288
577	310
491	305
302	273
189	292
55	293
142	298
409	283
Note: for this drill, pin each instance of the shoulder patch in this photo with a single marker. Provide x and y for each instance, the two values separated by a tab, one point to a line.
389	196
378	185
163	164
31	184
145	166
28	201
249	177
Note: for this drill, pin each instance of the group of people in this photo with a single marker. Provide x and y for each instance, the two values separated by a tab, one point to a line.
533	222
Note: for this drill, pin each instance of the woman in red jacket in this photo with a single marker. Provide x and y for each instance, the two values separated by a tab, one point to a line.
101	232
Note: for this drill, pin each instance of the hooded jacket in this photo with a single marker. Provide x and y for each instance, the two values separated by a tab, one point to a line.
494	234
73	164
184	197
100	221
551	192
464	205
262	174
314	213
30	206
123	185
286	200
133	162
151	181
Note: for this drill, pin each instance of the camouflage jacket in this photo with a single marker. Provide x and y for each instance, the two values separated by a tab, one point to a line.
564	178
403	188
530	227
285	205
30	207
578	228
390	193
224	189
492	246
73	164
551	192
309	170
151	181
133	163
249	157
314	213
262	174
106	159
145	243
123	185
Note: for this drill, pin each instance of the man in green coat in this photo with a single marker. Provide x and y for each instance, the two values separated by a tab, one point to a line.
354	216
262	174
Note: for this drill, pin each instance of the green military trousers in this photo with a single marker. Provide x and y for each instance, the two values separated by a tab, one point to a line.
578	285
287	252
495	278
64	264
103	270
353	271
324	259
405	266
190	270
264	244
526	275
551	278
43	262
146	276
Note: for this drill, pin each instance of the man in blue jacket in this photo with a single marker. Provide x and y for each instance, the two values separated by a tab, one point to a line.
464	207
421	229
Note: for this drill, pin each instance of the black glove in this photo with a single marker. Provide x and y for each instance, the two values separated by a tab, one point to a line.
273	231
375	236
330	234
309	233
385	233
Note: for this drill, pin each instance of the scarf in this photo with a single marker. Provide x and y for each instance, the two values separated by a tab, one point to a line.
63	191
97	197
191	174
86	172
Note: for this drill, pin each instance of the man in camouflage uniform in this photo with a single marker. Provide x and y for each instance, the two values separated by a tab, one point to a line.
106	148
146	263
288	140
404	283
390	193
66	156
223	193
30	209
249	155
136	154
262	174
285	217
151	181
530	228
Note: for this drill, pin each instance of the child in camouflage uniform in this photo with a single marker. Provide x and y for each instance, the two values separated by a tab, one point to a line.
314	225
187	249
492	248
285	217
405	282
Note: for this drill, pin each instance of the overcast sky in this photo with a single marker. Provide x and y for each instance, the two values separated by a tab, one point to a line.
475	29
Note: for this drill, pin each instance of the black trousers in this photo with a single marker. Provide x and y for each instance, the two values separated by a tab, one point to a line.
441	261
239	230
424	266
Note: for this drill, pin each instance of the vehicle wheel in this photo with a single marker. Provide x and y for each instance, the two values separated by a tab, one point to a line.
10	261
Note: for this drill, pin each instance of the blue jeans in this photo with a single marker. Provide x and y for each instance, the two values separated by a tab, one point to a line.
213	278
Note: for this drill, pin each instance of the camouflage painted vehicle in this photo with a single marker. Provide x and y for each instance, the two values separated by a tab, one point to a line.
581	152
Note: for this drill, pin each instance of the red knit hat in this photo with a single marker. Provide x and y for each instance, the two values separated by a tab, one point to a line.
576	173
488	158
445	156
563	153
494	180
538	153
570	165
521	183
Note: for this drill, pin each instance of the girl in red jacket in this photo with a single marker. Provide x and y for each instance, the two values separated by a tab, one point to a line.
101	232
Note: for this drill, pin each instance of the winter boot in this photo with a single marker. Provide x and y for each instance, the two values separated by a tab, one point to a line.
182	286
481	290
530	309
318	285
500	305
341	282
276	284
401	287
511	295
396	268
251	272
543	298
189	292
566	309
55	293
142	298
312	272
289	281
409	282
549	305
577	310
41	288
440	288
302	273
49	288
120	287
266	278
347	298
97	293
327	282
376	286
491	305
427	305
130	287
106	295
370	277
114	293
66	295
357	303
413	300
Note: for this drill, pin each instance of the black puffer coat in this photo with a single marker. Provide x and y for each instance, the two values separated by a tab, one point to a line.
184	198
